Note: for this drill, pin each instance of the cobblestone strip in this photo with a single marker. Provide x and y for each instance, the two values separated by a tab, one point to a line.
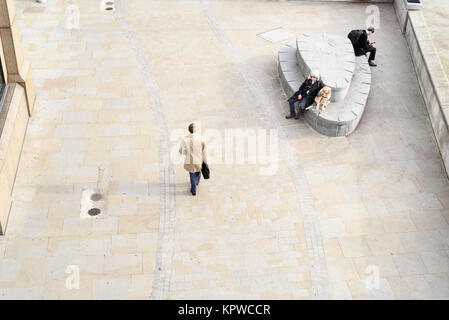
164	254
272	118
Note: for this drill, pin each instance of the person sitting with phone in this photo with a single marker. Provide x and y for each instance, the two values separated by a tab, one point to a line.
361	44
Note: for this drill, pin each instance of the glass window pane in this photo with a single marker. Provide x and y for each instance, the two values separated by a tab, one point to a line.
2	86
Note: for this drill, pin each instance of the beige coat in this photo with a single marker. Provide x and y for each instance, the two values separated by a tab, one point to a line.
193	147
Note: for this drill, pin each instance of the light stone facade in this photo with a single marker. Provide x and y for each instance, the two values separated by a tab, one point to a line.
18	105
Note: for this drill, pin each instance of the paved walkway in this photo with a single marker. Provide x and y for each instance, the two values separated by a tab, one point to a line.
110	95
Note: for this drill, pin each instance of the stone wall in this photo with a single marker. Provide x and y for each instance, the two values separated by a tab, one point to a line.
18	105
13	124
401	12
431	76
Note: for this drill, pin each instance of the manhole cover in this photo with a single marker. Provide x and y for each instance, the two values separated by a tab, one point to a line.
93	203
107	5
94	212
96	197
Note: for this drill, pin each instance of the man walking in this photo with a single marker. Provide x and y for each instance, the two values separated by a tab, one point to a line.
193	147
362	45
305	95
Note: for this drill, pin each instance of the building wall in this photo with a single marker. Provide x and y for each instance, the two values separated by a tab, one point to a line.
15	121
401	12
17	108
431	76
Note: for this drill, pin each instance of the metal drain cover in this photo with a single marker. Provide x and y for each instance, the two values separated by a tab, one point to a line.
94	212
93	204
107	5
96	197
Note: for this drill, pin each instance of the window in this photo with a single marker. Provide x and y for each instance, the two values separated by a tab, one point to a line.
2	86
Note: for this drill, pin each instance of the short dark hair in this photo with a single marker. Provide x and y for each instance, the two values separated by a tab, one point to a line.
371	29
191	127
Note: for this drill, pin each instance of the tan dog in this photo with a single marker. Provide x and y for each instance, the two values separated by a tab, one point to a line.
323	100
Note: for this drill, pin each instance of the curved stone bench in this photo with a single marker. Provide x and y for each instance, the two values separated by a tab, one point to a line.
341	117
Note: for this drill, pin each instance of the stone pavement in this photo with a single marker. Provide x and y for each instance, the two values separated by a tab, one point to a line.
109	94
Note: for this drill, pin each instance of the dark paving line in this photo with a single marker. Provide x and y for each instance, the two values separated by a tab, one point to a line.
165	245
272	118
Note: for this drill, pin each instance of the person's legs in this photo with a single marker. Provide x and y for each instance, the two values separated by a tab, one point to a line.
372	53
372	56
193	180
292	101
198	178
302	106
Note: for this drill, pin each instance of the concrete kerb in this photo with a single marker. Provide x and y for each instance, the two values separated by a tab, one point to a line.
431	61
431	77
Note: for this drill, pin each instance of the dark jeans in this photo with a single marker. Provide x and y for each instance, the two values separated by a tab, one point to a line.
372	53
302	104
361	51
194	180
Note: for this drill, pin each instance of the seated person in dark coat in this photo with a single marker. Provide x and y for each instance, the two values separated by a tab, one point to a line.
305	95
362	45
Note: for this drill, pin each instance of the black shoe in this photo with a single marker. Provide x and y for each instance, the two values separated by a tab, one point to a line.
371	63
290	117
193	193
298	116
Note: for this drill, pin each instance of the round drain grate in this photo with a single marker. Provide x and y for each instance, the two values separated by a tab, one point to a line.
94	212
96	197
107	5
